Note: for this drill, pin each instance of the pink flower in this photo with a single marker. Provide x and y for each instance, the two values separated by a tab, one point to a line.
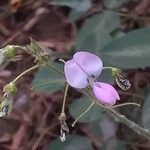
83	66
83	70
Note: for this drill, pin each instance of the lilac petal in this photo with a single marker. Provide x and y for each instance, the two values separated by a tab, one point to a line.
111	89
75	76
90	63
105	93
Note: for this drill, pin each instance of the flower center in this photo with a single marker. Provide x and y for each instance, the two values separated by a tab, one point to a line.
91	79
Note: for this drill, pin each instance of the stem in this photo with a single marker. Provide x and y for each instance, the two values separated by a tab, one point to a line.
108	67
25	72
61	60
121	118
83	114
64	100
126	104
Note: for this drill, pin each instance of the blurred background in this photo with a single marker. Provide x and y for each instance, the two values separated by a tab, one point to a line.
116	30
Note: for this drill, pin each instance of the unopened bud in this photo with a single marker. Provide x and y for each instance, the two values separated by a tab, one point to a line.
116	71
9	51
124	84
10	88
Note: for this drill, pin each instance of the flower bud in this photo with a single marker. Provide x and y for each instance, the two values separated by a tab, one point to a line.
105	93
124	84
116	72
9	51
10	88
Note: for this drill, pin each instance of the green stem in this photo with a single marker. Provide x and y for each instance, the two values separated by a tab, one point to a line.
64	99
83	114
126	104
25	72
108	68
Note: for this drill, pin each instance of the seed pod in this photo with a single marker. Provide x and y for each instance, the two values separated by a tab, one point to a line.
124	84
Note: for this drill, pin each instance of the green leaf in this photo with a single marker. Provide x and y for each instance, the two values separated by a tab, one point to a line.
47	80
146	109
78	5
130	51
95	32
114	144
114	3
74	15
78	106
117	34
95	127
106	76
104	127
73	142
94	41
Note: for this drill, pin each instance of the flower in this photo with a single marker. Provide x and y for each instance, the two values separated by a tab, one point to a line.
82	70
105	93
81	67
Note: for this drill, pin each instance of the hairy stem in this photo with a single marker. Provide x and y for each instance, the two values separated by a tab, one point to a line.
122	118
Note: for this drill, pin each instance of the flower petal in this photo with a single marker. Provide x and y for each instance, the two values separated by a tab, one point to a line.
90	63
110	89
105	93
75	76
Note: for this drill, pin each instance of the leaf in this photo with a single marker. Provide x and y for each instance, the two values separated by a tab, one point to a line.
130	51
114	144
78	5
117	34
108	127
95	128
111	4
146	110
73	142
74	15
48	80
106	76
94	41
78	106
95	32
104	127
